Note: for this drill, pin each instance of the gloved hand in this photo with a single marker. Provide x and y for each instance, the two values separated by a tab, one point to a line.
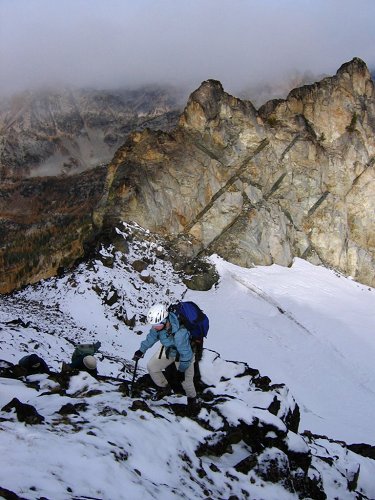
97	345
138	355
180	376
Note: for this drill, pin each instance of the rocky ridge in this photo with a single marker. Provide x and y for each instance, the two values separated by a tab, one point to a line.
243	442
294	178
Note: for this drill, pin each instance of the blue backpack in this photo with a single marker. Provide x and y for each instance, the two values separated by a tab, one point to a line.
193	318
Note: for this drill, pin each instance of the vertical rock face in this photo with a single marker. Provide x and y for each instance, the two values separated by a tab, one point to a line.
295	178
331	169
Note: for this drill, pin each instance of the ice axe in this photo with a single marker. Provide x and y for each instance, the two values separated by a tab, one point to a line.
133	379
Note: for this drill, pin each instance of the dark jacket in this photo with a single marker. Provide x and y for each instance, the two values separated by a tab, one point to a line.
77	361
33	363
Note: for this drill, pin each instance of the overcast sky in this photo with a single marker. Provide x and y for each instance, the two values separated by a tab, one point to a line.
108	43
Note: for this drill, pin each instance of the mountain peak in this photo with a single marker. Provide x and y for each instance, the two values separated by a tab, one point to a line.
208	90
203	105
254	187
356	77
356	65
210	107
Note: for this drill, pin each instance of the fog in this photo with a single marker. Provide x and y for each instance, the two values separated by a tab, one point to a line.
127	43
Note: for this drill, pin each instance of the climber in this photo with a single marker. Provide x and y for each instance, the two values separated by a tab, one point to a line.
175	348
83	359
32	363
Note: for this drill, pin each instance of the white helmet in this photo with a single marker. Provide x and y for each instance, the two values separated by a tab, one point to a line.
89	362
157	314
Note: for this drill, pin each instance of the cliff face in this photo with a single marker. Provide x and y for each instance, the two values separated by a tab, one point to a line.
69	131
295	178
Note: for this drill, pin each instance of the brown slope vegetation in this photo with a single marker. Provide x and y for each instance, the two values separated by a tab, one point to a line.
46	224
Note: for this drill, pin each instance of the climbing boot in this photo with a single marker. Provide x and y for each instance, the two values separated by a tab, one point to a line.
193	407
162	392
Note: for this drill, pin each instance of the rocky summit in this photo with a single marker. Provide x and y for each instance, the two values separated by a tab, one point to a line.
293	178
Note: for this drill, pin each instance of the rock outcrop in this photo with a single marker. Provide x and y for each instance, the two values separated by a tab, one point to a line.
295	178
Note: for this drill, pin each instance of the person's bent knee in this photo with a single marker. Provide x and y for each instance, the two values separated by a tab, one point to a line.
150	367
154	366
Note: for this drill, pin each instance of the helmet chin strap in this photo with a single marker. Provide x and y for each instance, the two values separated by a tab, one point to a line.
168	327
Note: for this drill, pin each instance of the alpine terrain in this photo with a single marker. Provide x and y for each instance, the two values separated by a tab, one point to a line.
300	433
112	202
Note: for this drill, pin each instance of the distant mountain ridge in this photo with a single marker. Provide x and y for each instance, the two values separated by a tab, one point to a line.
66	131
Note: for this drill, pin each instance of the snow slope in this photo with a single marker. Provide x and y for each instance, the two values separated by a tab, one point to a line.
107	446
305	326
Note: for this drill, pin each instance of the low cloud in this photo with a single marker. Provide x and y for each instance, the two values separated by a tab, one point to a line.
112	43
